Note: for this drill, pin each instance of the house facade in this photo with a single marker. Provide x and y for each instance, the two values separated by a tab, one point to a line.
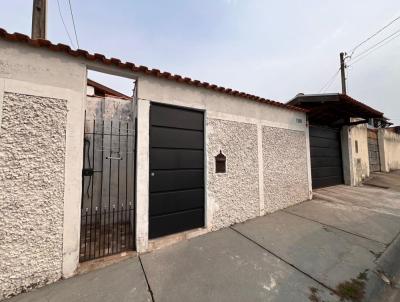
182	158
345	148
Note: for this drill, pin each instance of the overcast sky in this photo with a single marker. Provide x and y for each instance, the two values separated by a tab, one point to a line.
274	49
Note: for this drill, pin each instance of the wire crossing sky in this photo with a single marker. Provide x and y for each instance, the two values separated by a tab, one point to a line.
274	49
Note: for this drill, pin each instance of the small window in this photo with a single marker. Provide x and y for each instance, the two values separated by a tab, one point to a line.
220	163
356	146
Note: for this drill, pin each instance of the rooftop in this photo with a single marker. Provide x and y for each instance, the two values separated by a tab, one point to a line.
83	54
334	108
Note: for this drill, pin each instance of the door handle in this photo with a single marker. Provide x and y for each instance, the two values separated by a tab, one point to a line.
152	173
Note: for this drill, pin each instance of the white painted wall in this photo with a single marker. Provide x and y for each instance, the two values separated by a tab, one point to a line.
142	175
355	164
360	159
42	73
389	149
218	105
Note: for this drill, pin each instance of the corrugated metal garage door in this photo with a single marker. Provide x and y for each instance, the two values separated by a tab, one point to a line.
176	170
326	157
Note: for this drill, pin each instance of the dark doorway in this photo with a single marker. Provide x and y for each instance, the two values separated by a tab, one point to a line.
176	200
326	157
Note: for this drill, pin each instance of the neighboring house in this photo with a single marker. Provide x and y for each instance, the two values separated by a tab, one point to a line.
192	157
104	102
96	89
395	129
343	148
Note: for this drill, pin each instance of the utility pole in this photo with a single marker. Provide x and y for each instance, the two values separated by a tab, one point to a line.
343	72
39	19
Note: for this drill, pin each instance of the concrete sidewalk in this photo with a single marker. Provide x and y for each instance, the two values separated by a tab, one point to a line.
385	180
344	243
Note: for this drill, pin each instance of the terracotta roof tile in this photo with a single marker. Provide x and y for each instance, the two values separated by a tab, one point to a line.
18	37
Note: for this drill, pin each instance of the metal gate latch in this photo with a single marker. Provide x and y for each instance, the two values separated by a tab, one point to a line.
87	172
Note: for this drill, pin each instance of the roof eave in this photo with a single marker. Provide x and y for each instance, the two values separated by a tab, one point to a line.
79	53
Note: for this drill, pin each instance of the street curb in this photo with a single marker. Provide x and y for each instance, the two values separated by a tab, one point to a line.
388	264
388	261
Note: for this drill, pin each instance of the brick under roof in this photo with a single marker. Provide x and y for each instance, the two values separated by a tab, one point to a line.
79	53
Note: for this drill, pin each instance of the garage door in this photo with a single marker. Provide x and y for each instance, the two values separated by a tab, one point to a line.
176	170
326	157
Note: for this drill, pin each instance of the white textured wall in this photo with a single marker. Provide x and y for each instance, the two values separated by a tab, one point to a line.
235	194
234	125
32	156
48	75
285	168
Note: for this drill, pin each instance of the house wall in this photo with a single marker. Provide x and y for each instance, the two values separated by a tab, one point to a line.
41	117
360	159
227	191
389	149
48	85
355	164
264	146
285	168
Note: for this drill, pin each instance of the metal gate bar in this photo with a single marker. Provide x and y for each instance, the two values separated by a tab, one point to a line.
107	214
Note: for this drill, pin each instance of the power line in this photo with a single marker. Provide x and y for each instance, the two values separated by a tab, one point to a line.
387	42
373	35
65	27
73	22
376	46
330	82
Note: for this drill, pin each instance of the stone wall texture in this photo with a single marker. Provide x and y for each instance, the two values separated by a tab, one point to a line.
234	194
285	168
32	155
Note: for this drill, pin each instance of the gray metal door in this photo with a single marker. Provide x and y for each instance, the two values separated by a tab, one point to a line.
373	151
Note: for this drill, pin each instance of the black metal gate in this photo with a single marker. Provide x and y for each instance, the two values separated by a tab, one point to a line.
176	170
108	188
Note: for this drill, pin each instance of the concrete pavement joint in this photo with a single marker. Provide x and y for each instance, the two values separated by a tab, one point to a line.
333	227
334	200
147	280
395	237
283	260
